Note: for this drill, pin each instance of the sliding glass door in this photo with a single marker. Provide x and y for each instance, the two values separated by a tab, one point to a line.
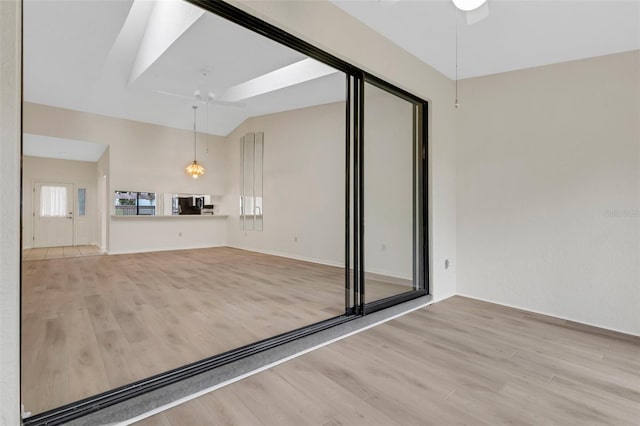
389	193
388	207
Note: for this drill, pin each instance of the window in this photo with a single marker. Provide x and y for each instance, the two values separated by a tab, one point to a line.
82	201
251	176
129	203
53	201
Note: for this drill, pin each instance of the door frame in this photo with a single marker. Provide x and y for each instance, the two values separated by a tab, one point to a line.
421	280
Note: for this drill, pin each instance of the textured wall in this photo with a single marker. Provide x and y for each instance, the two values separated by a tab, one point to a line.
549	190
10	33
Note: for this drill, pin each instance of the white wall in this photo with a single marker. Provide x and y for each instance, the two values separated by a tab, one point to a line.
136	234
328	27
304	163
141	157
549	190
10	134
80	173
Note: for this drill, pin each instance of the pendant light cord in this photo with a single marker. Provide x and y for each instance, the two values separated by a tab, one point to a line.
456	102
207	121
195	108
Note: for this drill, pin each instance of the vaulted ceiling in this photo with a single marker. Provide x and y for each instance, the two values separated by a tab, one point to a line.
515	34
143	60
120	57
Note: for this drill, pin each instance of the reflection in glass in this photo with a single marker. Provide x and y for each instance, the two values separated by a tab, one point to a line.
388	194
188	204
182	286
128	203
258	164
251	169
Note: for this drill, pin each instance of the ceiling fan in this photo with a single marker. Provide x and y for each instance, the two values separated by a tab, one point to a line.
475	10
209	99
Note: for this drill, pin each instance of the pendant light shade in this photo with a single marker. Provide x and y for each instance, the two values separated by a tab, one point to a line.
194	169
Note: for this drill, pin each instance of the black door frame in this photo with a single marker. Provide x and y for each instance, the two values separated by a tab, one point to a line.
420	198
355	303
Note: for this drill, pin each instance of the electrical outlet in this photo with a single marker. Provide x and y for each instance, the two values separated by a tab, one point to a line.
446	264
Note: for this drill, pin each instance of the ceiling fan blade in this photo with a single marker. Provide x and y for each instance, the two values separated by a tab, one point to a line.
228	104
175	95
199	98
477	15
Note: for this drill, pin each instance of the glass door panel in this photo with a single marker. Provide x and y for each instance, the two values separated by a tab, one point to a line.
389	193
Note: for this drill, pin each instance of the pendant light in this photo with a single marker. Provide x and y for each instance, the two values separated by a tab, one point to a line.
467	5
194	169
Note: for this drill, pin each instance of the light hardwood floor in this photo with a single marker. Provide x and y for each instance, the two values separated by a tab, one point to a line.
91	324
459	361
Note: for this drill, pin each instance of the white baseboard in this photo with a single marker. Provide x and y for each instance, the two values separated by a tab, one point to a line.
156	249
381	272
385	273
440	299
292	256
549	315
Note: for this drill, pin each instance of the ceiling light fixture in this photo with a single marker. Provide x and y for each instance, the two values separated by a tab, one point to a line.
194	169
468	5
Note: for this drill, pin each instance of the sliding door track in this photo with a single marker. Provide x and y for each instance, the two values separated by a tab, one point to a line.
86	406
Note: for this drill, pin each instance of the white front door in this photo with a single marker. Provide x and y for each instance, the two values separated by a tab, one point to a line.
53	215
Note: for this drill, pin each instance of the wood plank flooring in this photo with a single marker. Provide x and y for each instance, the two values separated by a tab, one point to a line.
94	323
459	361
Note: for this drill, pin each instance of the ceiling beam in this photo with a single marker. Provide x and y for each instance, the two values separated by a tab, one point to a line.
296	73
167	22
